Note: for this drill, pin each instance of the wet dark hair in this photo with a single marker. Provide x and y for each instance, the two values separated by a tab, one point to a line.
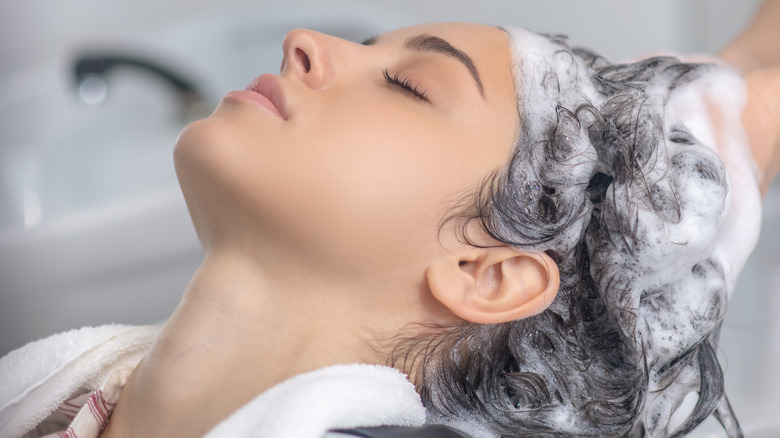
581	186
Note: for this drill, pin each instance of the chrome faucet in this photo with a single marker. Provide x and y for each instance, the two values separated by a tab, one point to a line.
91	71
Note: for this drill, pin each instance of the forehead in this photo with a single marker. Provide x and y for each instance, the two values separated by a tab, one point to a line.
477	34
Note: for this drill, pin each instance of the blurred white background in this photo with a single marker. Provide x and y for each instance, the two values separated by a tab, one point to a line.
93	229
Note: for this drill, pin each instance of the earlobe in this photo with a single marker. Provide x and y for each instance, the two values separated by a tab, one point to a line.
495	285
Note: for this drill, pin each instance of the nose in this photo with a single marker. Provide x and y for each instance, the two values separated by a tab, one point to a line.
310	56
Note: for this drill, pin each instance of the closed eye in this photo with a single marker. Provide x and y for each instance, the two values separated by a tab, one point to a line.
405	85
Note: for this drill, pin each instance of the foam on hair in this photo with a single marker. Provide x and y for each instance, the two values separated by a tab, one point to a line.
637	179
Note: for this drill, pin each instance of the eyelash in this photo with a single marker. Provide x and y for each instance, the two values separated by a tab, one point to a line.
405	84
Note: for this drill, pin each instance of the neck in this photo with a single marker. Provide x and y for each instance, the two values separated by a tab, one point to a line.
237	332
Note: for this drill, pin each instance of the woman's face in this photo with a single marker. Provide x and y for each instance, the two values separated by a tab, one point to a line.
370	149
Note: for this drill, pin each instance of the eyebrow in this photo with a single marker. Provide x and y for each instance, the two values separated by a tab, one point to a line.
430	43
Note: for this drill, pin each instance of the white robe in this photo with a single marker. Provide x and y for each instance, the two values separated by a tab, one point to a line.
38	378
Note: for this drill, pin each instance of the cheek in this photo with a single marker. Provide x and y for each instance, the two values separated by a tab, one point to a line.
385	171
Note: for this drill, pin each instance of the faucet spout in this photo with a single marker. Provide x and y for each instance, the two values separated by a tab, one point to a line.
91	72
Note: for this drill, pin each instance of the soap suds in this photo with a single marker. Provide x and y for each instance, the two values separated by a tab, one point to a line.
638	180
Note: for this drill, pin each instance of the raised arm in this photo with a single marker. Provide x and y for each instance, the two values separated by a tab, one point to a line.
757	46
756	54
761	119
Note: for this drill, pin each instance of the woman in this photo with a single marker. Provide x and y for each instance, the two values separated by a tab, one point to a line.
468	205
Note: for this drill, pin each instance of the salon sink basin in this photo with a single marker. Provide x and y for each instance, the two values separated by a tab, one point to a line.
61	157
93	228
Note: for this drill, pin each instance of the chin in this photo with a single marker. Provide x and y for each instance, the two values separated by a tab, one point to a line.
202	162
191	154
221	165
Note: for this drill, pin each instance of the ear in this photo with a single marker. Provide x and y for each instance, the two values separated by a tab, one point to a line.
494	285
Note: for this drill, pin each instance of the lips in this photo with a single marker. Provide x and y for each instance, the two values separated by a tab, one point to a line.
268	86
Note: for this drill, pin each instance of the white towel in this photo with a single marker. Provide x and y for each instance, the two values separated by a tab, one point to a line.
37	378
335	397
